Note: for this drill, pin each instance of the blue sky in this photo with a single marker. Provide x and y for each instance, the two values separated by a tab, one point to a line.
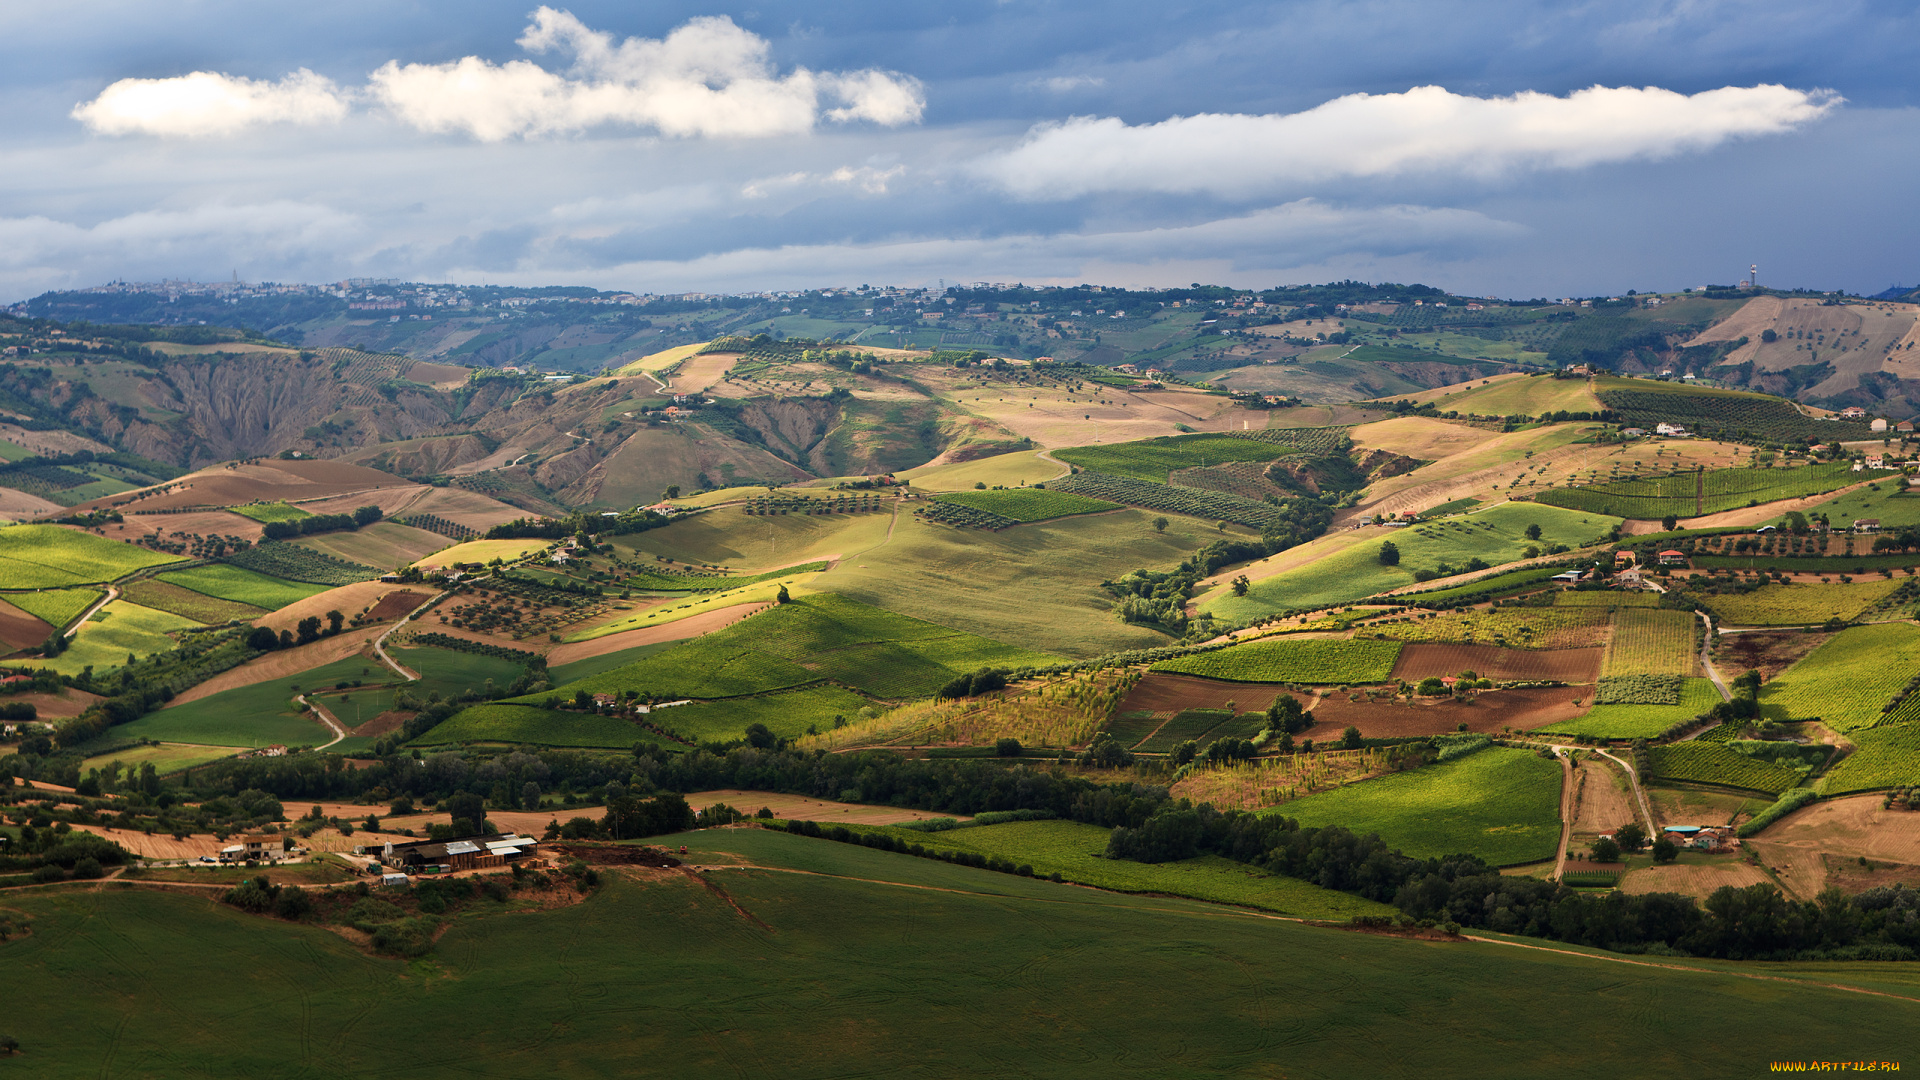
1512	149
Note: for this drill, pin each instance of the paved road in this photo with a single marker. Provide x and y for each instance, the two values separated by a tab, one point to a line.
1566	811
327	718
113	593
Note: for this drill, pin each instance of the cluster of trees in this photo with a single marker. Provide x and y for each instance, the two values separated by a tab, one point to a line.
315	524
580	525
309	629
984	681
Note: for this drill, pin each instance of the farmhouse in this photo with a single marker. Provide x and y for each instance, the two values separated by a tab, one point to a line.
1634	432
1866	525
1876	461
1853	412
1673	558
463	853
1879	424
254	847
1904	427
1678	431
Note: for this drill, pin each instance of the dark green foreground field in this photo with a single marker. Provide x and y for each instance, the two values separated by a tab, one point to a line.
877	964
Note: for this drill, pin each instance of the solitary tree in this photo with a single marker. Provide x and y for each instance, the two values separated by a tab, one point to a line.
1240	585
1669	522
673	491
1533	532
1389	554
1159	524
1630	837
782	596
1665	851
1350	739
1605	850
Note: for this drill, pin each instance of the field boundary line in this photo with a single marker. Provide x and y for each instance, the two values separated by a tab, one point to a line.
1695	970
380	643
1706	658
113	593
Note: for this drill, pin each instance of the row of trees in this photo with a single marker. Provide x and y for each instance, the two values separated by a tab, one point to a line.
314	524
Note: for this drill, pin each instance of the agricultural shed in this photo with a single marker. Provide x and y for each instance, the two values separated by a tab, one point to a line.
461	853
1866	525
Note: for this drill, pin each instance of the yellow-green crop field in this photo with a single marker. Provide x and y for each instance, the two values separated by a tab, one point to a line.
1848	680
1800	605
49	557
1653	642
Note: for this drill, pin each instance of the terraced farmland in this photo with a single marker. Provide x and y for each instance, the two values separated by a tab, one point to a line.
1652	641
1292	661
1847	681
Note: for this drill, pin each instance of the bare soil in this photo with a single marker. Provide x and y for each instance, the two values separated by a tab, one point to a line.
385	723
469	508
618	855
1162	693
1851	876
802	808
396	604
262	481
68	702
198	522
1850	827
697	374
1419	660
1490	712
19	506
1603	803
391	501
1769	652
348	600
21	630
444	376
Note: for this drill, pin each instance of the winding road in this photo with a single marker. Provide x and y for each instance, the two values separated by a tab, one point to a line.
380	643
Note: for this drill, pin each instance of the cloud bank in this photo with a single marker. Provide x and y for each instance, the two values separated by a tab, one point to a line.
708	78
1425	130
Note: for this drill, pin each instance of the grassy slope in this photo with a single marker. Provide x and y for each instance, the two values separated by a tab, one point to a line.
382	544
243	586
1642	721
45	556
969	973
1502	805
257	715
1846	680
1889	504
1010	470
1518	394
1355	571
56	607
104	641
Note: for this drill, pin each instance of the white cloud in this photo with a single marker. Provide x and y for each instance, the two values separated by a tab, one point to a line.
707	78
1426	129
1063	84
209	103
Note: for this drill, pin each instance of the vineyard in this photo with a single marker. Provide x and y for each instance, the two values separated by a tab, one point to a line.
266	513
1026	504
1314	661
775	505
56	607
433	523
483	648
1690	494
1712	763
1511	628
1723	414
1265	782
1314	441
1206	505
1800	605
1652	641
1846	681
48	556
1154	459
964	517
1067	713
296	563
1886	757
657	581
1203	726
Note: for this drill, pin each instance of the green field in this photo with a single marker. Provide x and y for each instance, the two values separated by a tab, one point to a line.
242	586
1799	605
1607	598
1486	588
537	727
56	607
1702	762
292	562
1848	680
1691	494
1495	535
594	665
1155	459
1512	628
1075	852
1028	504
167	758
186	603
1725	414
918	968
1502	805
656	582
813	638
266	513
450	673
257	715
1292	660
49	557
1642	721
1884	757
104	641
1884	500
1652	641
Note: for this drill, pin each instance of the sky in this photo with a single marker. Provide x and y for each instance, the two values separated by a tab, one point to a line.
1491	148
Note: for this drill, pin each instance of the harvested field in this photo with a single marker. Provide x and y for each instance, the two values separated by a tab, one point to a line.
1850	827
1490	712
159	845
201	523
444	376
162	596
20	630
1769	652
383	544
20	506
391	501
68	702
266	481
1603	803
348	600
1697	880
281	663
801	808
462	507
618	855
384	724
693	626
1419	660
698	374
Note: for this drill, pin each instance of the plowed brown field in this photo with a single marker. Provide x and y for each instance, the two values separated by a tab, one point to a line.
1162	693
21	630
1420	660
268	481
348	600
200	522
801	808
1489	713
1697	881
